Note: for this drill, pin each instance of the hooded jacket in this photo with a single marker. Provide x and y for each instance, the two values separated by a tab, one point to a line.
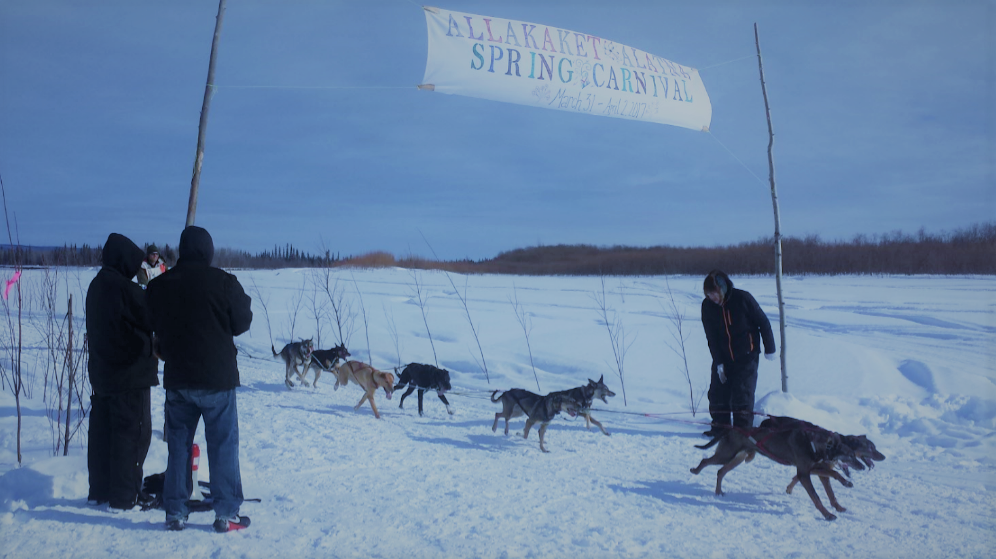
197	310
119	328
737	328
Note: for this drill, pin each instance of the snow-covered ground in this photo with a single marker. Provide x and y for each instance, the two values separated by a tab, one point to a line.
909	361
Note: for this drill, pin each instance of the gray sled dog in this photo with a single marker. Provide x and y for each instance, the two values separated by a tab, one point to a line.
536	408
585	396
296	354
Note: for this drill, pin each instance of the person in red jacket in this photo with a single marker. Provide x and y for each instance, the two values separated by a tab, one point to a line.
735	327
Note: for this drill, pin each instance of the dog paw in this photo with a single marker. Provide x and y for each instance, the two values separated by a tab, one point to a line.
840	508
847	483
304	383
829	516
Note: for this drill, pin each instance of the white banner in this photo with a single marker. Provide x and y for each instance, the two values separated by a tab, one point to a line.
541	66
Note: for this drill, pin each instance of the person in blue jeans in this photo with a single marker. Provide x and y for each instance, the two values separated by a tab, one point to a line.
197	311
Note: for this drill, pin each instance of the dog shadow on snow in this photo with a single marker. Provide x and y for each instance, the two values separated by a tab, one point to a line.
683	493
490	442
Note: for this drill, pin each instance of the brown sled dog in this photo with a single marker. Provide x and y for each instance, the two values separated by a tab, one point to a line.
791	442
368	378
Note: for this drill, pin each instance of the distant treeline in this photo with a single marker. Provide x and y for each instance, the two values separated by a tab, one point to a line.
85	255
965	251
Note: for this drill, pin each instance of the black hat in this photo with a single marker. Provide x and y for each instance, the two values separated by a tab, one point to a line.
152	249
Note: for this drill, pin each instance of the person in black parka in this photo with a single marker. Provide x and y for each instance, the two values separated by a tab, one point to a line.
735	327
122	370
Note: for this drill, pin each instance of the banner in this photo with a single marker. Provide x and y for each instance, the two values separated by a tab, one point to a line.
533	64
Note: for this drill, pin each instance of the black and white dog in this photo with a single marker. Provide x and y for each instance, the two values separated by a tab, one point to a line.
424	377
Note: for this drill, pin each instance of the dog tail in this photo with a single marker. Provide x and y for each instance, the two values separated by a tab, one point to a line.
710	443
493	399
274	350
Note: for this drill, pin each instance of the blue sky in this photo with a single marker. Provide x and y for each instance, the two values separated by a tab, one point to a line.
883	114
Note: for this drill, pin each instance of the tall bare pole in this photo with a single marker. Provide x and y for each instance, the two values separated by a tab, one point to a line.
202	127
778	219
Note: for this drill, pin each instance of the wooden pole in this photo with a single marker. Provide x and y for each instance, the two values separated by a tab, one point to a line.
202	127
778	219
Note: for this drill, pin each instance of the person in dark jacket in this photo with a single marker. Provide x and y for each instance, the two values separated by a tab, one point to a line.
735	327
122	371
197	311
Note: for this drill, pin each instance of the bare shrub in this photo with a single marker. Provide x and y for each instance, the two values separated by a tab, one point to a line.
363	314
257	297
617	336
11	368
527	327
392	328
343	315
66	386
422	296
679	335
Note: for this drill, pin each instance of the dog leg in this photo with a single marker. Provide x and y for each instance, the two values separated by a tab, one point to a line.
363	399
318	373
807	482
449	410
405	395
542	430
494	428
595	421
831	496
373	404
713	460
301	376
529	424
420	393
737	460
831	473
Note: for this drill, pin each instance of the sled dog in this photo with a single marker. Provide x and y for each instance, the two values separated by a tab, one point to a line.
424	377
536	408
863	448
325	360
296	354
791	442
585	397
368	378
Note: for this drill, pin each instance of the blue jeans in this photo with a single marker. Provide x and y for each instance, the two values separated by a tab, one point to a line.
184	408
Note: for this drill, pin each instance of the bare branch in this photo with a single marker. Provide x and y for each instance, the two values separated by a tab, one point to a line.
527	327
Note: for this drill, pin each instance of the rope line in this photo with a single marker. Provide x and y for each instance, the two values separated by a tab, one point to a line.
759	179
729	61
